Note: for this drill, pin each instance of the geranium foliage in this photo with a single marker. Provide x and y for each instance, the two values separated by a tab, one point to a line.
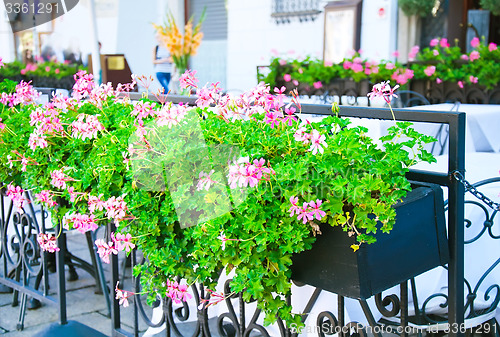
238	183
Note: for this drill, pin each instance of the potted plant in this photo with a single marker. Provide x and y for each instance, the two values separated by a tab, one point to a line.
420	8
180	46
239	183
491	5
44	74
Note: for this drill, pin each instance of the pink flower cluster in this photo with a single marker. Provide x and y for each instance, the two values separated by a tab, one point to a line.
122	296
430	70
402	76
171	115
123	242
82	222
188	79
309	210
208	96
46	197
143	110
47	242
86	126
412	55
118	243
243	173
475	42
86	88
383	90
214	299
116	209
47	122
25	161
15	193
2	125
316	139
258	100
205	181
177	292
105	249
84	84
356	65
474	55
59	179
441	42
29	67
25	94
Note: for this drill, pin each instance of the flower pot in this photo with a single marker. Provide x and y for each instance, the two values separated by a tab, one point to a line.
417	243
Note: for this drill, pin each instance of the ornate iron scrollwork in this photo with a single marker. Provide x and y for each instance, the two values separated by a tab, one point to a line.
304	10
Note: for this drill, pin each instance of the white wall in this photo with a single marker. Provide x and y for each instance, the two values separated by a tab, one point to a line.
6	37
253	35
73	29
379	32
136	35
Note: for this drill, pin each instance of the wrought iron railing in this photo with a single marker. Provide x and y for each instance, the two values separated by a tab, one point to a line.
304	10
25	268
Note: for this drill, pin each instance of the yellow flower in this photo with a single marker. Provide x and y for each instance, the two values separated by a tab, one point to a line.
180	46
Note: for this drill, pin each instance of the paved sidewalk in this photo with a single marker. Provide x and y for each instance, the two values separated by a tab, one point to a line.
84	305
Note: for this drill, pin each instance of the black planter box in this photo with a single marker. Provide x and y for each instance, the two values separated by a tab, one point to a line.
417	243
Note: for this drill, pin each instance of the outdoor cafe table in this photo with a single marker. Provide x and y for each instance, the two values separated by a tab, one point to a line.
482	123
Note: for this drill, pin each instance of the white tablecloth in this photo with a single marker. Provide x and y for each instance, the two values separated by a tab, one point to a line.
482	124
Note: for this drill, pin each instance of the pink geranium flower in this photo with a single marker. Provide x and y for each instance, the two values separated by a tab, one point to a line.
59	179
317	142
205	181
287	77
444	43
315	209
47	242
475	42
434	42
492	46
122	296
430	70
122	242
390	66
188	79
357	67
460	84
304	213
289	118
295	207
317	85
383	90
413	53
474	55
